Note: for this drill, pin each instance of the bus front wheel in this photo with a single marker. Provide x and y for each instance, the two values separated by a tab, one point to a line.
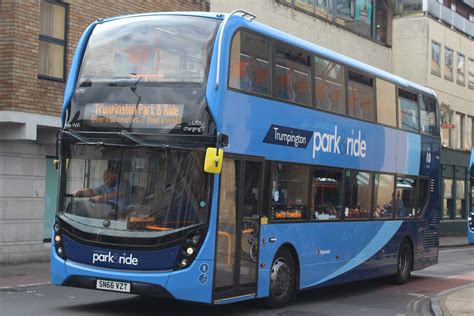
282	279
404	263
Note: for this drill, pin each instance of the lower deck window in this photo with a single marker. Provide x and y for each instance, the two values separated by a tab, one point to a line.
358	195
326	190
289	191
404	204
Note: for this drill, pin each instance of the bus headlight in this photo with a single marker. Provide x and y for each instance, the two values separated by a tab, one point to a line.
189	249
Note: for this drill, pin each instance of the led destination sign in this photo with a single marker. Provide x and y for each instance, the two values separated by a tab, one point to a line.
144	115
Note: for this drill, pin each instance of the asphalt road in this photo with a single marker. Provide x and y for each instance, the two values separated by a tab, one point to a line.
372	297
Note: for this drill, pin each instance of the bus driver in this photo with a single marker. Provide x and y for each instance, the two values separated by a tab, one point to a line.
112	190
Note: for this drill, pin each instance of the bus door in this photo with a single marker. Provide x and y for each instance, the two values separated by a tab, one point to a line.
240	202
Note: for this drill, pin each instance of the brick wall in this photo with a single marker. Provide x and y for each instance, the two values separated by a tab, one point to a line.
20	88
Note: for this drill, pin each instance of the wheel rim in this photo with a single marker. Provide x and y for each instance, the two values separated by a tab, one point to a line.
403	262
280	277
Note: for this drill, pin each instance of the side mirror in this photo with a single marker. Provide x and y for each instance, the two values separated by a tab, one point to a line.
56	163
213	161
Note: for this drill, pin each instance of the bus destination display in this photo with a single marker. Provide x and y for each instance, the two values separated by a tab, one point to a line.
141	115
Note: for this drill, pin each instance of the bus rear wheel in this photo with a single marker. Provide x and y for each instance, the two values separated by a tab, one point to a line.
282	279
404	263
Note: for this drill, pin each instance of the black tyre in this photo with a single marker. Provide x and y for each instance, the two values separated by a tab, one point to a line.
282	279
404	263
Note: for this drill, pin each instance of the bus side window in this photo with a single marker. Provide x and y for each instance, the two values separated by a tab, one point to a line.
408	111
361	96
250	63
330	86
293	75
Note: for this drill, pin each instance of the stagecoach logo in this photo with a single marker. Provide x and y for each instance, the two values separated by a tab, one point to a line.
334	140
323	252
109	257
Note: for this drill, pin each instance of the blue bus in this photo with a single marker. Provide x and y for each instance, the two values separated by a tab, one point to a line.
210	158
470	217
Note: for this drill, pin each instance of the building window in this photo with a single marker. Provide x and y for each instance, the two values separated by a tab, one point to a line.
456	131
435	59
293	75
357	16
409	6
289	191
330	86
358	195
386	111
408	111
52	40
448	64
326	194
447	197
250	67
468	133
460	201
470	74
361	96
461	78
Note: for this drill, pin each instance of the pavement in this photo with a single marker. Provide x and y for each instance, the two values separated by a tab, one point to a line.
457	301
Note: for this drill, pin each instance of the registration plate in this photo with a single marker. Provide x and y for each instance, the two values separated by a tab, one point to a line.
113	286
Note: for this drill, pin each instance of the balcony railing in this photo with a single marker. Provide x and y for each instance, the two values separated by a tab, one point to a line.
439	11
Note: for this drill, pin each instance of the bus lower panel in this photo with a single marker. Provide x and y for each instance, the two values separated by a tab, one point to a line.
136	287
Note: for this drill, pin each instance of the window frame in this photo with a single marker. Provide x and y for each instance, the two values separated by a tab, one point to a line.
310	54
271	61
461	83
399	120
394	187
416	178
433	72
344	82
341	193
53	40
446	77
374	94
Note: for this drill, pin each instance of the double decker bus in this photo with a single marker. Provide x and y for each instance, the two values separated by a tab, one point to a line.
210	158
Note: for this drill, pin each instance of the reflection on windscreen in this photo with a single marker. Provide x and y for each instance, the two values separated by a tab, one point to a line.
136	190
154	48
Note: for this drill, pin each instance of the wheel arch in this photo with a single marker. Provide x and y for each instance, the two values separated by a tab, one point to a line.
293	251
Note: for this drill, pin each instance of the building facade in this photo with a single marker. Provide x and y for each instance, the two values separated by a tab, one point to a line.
37	43
433	46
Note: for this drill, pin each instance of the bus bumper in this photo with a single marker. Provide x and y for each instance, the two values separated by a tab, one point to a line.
191	284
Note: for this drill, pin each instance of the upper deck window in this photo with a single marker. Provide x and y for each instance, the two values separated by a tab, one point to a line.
250	63
361	96
408	111
293	75
428	121
153	49
330	86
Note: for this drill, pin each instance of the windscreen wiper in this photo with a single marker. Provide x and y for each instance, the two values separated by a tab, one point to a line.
140	142
84	141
